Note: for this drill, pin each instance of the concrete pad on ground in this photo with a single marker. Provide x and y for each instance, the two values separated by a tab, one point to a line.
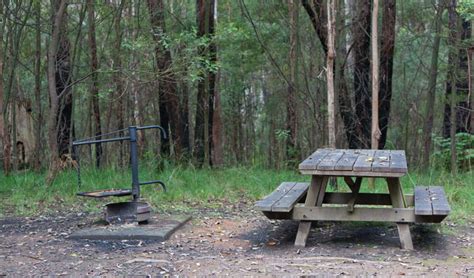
157	229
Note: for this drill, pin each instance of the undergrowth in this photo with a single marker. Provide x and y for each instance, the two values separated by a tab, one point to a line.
26	194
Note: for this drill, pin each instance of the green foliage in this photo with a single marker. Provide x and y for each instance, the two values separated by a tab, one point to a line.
190	188
464	151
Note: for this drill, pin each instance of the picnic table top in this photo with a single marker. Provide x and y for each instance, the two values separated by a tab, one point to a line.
355	163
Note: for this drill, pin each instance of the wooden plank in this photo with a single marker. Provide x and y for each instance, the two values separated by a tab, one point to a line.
346	163
287	202
330	160
398	201
381	161
318	184
398	162
266	203
398	215
353	173
439	202
378	199
355	192
422	201
311	163
364	161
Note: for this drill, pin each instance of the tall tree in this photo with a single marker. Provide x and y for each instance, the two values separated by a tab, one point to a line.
331	56
375	77
38	108
57	71
217	146
170	116
362	95
291	104
387	50
206	84
94	66
431	95
4	103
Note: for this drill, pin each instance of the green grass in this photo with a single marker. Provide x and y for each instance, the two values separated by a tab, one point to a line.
25	193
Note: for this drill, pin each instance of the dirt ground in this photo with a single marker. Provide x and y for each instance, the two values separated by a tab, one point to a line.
237	242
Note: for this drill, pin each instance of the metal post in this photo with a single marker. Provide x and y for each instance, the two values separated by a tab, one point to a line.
134	161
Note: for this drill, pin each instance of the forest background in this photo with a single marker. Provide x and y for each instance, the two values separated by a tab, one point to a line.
236	84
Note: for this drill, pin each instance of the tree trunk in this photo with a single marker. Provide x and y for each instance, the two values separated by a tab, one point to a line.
3	105
39	113
53	90
217	157
431	96
94	64
206	85
331	13
361	46
118	81
375	77
291	105
387	50
170	116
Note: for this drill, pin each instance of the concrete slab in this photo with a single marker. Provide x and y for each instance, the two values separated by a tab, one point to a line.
158	229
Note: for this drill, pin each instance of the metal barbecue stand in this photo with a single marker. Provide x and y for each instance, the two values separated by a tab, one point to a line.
122	212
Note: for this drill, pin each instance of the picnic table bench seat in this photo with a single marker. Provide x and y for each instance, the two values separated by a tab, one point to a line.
284	198
431	203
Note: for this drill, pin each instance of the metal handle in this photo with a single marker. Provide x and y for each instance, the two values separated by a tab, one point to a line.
154	182
163	132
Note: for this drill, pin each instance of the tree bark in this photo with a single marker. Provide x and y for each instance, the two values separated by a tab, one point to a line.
387	49
38	108
217	150
205	86
431	96
375	77
53	127
94	65
3	104
331	56
291	104
170	116
361	45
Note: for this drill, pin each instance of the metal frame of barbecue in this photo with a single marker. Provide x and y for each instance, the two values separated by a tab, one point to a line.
124	211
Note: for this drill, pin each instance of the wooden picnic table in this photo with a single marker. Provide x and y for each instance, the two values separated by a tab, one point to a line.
428	205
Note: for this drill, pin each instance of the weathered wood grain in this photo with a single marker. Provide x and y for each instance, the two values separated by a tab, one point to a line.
439	202
330	160
266	203
422	201
364	161
398	161
311	163
287	202
346	163
381	161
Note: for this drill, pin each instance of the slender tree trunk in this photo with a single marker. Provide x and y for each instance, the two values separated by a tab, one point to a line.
431	96
387	50
217	149
94	65
206	85
451	87
170	117
361	46
291	105
53	92
117	78
3	105
375	77
331	12
38	108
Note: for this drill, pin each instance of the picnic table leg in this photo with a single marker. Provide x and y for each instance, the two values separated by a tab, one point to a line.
314	197
396	195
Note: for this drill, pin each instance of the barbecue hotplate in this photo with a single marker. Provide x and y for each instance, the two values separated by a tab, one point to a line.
106	193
